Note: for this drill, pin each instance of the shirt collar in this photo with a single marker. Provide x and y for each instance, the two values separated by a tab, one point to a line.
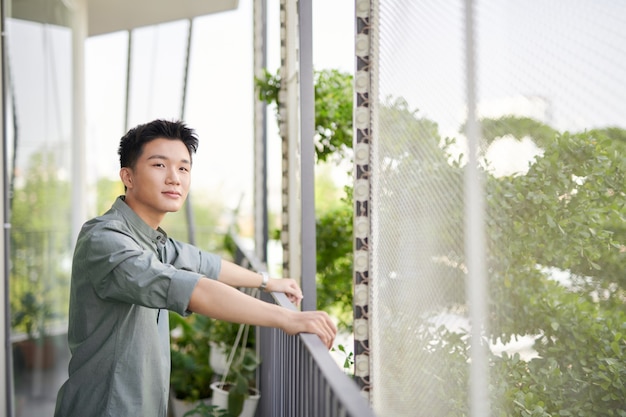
136	222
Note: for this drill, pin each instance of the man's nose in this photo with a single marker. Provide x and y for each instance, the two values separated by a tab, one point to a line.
173	176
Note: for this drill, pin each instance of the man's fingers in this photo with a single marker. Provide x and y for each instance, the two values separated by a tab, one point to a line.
315	322
330	331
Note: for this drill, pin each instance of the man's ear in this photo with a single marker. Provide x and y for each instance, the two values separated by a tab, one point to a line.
126	175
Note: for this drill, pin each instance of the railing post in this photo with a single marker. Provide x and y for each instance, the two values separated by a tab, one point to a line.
307	126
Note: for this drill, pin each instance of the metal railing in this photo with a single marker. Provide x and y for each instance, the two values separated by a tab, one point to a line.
298	377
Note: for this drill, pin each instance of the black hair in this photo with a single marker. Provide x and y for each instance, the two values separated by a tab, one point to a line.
131	144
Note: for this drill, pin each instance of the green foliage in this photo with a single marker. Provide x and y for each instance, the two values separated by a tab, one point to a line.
206	217
333	110
334	261
581	367
333	114
225	333
348	361
564	213
204	410
33	314
333	127
107	190
40	246
191	374
241	379
518	127
565	216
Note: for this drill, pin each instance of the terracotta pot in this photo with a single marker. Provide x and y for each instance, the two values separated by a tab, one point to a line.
37	355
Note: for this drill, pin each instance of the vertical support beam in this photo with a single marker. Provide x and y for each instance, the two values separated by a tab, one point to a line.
475	243
362	121
307	132
6	364
191	225
259	10
79	156
129	66
290	134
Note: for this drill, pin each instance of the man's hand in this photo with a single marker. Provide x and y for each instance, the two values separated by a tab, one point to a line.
223	302
315	322
287	286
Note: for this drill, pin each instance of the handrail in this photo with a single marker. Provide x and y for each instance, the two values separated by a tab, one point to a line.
298	377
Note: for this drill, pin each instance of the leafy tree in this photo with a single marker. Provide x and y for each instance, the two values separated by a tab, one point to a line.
333	110
565	215
40	245
107	191
559	216
518	127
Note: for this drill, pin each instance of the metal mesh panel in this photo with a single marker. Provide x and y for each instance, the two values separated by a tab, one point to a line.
547	73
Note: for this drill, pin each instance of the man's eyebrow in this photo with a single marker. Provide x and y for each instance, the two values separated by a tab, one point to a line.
157	156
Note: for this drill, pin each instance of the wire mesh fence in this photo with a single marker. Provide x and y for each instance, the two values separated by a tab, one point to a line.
551	94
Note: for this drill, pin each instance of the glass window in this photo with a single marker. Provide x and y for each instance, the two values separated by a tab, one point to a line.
39	114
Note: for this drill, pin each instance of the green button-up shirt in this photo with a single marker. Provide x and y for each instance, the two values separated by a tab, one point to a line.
123	274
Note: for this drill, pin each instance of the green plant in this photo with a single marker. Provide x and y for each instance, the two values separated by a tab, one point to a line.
333	142
204	410
40	242
348	357
33	314
191	374
224	334
240	380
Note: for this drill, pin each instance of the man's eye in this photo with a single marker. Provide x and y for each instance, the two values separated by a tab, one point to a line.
184	169
159	165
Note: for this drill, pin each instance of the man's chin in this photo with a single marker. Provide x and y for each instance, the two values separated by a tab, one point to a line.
173	208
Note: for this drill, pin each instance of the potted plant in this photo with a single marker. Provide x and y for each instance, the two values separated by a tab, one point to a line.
223	335
236	391
191	374
32	315
205	410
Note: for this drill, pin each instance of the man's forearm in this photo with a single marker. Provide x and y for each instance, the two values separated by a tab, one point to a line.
222	302
238	276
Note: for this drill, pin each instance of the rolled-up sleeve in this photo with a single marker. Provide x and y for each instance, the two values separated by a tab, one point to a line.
188	257
122	269
180	289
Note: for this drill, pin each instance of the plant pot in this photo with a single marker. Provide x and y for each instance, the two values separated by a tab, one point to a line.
180	407
37	354
220	399
217	358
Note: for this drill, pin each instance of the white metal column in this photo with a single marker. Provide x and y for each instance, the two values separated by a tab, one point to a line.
79	154
260	132
475	239
5	363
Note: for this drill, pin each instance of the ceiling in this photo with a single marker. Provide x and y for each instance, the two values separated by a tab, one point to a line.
106	16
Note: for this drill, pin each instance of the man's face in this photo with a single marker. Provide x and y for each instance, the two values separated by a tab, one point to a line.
159	182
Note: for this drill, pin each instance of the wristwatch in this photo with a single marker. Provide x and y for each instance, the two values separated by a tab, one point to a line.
266	278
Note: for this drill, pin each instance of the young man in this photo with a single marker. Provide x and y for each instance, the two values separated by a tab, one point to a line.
127	274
